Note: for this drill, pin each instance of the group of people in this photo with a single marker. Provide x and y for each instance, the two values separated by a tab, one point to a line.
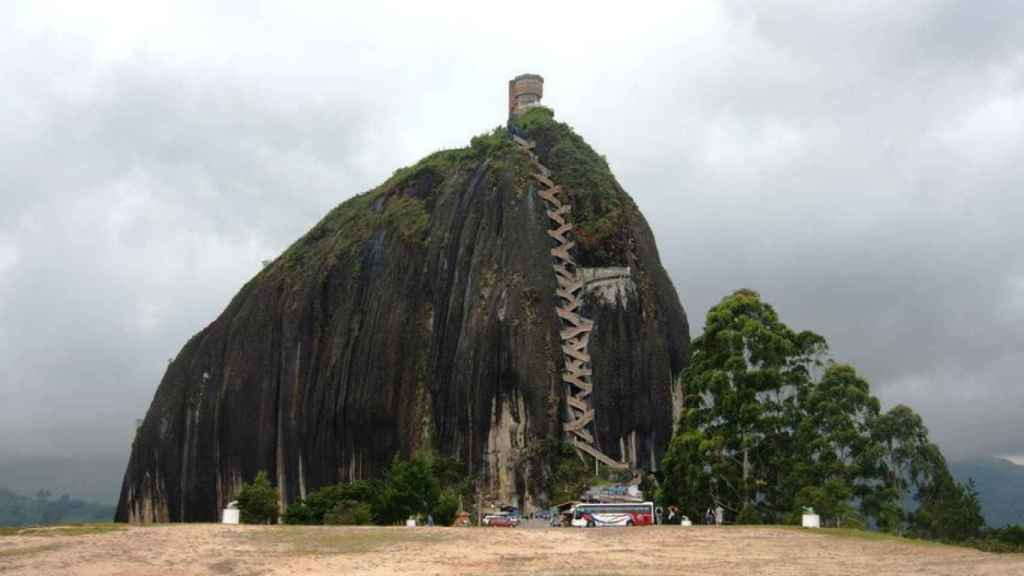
714	516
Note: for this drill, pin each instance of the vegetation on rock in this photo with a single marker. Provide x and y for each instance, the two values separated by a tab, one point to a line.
601	210
570	476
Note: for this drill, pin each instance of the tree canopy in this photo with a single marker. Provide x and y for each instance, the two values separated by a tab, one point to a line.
424	485
258	501
771	425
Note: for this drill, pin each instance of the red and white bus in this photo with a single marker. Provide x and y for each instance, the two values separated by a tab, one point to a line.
618	514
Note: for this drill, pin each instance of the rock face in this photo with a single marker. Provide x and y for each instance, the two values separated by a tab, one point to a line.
420	315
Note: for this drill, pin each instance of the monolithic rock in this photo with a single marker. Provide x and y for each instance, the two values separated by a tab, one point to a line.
421	315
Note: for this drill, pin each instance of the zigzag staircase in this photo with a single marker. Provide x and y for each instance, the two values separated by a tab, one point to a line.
575	328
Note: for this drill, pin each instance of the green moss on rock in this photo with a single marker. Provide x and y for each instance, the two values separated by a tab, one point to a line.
602	211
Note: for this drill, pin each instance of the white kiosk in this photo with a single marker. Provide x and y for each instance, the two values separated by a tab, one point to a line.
810	519
230	515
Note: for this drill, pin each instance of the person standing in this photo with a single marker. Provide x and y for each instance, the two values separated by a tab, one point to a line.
719	515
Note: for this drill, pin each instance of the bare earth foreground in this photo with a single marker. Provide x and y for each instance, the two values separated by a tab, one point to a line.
250	550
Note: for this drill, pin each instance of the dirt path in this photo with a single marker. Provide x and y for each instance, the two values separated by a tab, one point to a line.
252	550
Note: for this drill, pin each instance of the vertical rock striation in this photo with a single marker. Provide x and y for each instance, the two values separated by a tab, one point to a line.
420	315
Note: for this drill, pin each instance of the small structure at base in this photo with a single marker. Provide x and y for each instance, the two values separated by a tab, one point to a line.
810	519
410	522
230	515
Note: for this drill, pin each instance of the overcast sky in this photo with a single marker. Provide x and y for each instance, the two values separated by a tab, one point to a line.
859	164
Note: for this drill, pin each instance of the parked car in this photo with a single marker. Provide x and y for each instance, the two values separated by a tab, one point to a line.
501	520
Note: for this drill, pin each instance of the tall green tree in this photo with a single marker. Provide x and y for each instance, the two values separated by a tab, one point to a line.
768	428
908	461
912	465
904	437
257	501
409	489
838	459
686	479
947	510
747	371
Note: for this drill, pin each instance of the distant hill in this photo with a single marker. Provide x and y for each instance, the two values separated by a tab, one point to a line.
1000	485
95	477
18	510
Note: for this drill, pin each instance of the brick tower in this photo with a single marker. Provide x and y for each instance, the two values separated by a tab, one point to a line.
524	91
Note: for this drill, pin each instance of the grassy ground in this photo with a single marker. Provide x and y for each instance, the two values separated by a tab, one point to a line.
985	545
67	530
198	549
26	551
303	540
864	535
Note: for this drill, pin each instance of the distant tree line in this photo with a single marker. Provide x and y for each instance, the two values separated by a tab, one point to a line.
771	426
16	510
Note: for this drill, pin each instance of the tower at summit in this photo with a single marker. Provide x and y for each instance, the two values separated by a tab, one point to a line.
524	91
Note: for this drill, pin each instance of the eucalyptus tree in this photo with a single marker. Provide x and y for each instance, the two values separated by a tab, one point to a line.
838	460
735	439
908	460
768	427
946	509
904	437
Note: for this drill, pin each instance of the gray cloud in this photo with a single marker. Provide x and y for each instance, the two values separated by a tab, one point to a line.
857	165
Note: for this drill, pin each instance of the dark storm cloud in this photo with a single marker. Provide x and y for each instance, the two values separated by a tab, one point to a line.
865	178
858	164
135	207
